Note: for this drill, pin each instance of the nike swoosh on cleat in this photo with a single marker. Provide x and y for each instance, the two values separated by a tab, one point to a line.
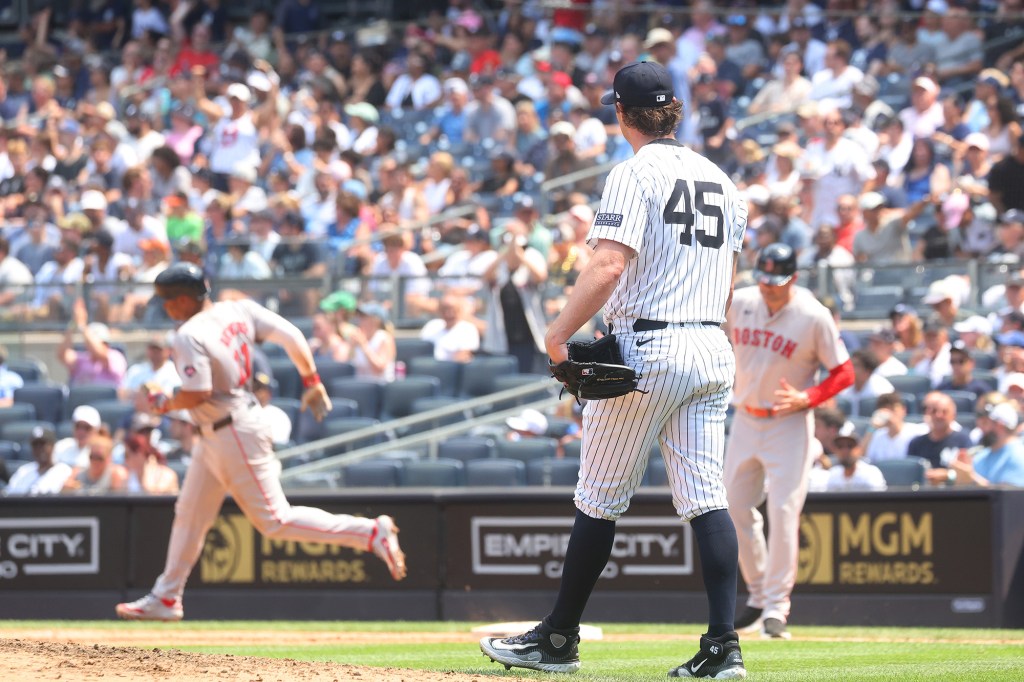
498	644
644	342
697	666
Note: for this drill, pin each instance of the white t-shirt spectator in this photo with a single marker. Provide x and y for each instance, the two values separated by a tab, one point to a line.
128	241
883	446
826	86
143	372
463	269
235	141
68	451
14	273
410	268
875	386
28	481
9	382
937	369
865	477
50	274
463	336
923	123
840	170
425	91
589	135
891	368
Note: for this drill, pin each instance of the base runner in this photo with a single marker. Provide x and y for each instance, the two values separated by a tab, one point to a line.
235	451
781	335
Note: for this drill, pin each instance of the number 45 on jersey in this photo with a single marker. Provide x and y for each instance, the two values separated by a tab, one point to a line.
680	210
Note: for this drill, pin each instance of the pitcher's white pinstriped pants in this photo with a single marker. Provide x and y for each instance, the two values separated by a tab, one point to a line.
688	374
239	459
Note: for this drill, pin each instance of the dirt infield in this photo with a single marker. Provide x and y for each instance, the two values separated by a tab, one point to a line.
34	660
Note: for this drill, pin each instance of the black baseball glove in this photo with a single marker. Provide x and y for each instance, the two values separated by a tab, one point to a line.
595	370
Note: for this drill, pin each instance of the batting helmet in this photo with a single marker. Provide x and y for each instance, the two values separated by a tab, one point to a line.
181	279
776	264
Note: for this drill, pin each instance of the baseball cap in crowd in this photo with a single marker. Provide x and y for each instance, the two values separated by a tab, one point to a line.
994	77
882	335
184	111
93	200
657	36
979	140
868	87
563	128
374	310
847	432
339	300
954	208
939	7
926	84
643	84
363	111
759	195
238	91
143	421
933	325
192	246
736	20
86	414
160	340
245	172
262	380
258	80
529	421
938	292
962	348
582	213
100	331
975	324
869	201
1014	339
901	309
561	78
42	434
1005	414
1011	217
453	85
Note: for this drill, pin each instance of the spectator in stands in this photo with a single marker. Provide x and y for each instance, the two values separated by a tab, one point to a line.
924	177
326	341
364	81
98	364
489	116
942	443
9	381
156	368
263	388
101	475
866	382
1010	238
976	331
924	115
825	249
713	118
15	277
529	423
850	222
103	265
373	343
235	139
43	476
1001	459
55	278
1006	180
453	334
1003	127
840	166
785	93
399	260
531	140
932	358
181	222
563	158
851	473
890	433
147	468
437	183
363	119
463	269
880	243
183	435
828	421
416	89
74	450
296	256
37	244
944	297
958	56
962	378
882	342
834	84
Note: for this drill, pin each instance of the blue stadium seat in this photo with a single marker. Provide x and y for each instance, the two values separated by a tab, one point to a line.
656	474
527	449
503	383
20	432
366	392
909	471
17	412
466	448
552	472
375	473
421	405
289	383
985	361
398	396
48	399
479	374
113	412
406	349
340	425
559	426
910	383
572	449
10	450
434	473
29	369
966	401
306	428
495	472
87	395
330	370
446	371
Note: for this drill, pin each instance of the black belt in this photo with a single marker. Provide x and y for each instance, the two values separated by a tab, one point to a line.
642	325
221	423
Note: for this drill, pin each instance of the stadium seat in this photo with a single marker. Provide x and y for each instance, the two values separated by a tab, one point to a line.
289	383
397	397
844	405
548	472
406	349
17	412
366	392
305	428
30	370
966	401
330	370
985	362
446	371
20	432
433	473
290	406
466	448
321	480
374	473
421	405
877	301
527	449
113	412
546	388
909	471
911	402
572	449
340	425
478	376
967	421
559	426
10	450
48	399
495	472
910	383
86	395
65	429
656	475
988	377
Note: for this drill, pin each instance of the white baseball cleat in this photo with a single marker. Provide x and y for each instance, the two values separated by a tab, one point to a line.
151	607
384	543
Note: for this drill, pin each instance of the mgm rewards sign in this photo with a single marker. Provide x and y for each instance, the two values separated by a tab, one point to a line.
894	546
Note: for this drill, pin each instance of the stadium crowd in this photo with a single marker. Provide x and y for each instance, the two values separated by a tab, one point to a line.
402	169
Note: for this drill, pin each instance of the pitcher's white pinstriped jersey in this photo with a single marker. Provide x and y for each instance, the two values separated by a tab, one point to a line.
677	210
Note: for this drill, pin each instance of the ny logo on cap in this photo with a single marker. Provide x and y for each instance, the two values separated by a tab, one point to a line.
660	98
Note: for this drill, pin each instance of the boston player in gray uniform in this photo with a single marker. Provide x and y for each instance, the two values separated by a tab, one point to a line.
235	453
665	249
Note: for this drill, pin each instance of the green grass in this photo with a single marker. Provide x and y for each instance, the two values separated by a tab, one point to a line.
815	653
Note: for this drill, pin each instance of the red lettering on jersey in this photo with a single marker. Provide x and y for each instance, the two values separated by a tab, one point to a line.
232	330
762	338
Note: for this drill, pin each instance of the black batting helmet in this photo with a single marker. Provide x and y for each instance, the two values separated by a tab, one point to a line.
181	279
776	264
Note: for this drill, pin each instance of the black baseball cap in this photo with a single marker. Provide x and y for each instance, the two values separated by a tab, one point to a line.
643	84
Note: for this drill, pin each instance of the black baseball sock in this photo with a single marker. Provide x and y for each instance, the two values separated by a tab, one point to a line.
719	551
590	545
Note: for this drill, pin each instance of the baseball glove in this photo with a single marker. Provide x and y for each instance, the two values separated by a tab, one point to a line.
595	370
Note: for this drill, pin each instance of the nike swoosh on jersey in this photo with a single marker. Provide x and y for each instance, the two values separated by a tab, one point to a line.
644	342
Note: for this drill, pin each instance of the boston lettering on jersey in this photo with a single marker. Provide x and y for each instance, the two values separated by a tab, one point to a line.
233	330
762	338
